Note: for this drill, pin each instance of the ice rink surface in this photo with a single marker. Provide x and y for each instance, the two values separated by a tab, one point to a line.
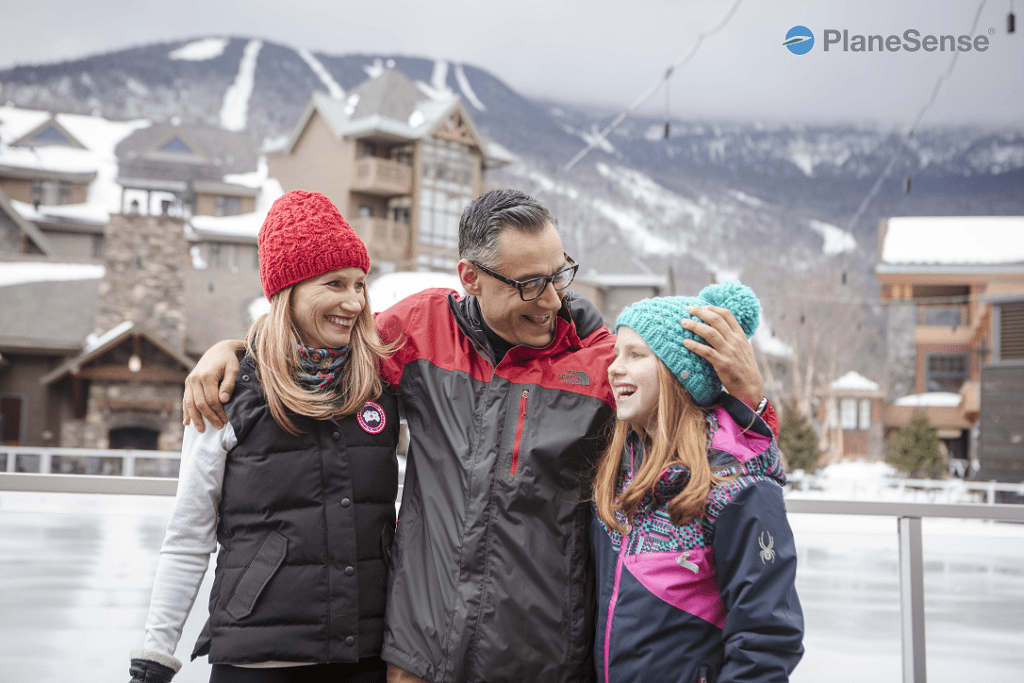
76	571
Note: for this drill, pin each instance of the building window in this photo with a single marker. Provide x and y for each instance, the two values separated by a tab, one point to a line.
943	315
446	189
227	206
10	420
1011	331
864	419
50	193
946	372
855	414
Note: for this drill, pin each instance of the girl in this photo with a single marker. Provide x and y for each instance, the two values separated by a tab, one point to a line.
298	488
695	559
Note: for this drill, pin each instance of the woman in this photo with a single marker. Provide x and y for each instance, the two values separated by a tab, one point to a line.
298	488
695	561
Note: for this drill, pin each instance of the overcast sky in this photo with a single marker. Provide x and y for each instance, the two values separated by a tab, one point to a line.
602	52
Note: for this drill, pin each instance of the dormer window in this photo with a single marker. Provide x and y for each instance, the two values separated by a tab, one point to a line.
50	193
228	206
175	146
50	135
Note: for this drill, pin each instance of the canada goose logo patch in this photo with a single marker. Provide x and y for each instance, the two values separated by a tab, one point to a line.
767	553
372	418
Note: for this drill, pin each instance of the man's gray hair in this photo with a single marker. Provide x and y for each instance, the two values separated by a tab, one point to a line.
491	213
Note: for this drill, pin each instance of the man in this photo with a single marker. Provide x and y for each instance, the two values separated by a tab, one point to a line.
506	396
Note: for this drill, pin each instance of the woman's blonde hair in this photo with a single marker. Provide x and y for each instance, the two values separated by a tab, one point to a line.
273	341
681	436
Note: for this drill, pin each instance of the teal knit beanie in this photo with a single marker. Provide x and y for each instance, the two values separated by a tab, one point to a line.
657	321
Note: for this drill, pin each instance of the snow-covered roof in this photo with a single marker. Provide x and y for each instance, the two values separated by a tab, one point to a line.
953	240
97	135
933	399
391	288
245	225
768	343
853	381
23	272
390	105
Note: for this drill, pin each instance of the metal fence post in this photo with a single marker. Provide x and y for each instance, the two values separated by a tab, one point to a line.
912	600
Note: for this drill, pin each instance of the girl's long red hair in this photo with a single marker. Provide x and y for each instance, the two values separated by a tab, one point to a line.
681	436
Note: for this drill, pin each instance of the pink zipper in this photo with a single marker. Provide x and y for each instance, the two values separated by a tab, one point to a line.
519	432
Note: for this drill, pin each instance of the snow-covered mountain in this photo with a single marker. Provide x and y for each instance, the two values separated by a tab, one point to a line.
770	204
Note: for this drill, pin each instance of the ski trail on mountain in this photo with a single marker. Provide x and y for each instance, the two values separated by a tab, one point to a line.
234	112
467	89
335	90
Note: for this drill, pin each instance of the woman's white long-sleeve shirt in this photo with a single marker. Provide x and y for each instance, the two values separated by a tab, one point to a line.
191	534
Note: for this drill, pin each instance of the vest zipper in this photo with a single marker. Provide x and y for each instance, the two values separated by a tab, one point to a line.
519	432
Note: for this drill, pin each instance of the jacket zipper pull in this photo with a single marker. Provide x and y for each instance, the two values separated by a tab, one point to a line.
519	432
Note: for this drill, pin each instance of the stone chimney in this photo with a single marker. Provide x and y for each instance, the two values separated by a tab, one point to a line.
147	260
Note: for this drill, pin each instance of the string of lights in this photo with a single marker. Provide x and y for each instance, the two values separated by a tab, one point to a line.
897	152
646	94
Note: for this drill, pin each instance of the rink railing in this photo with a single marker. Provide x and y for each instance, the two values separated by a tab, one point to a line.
908	517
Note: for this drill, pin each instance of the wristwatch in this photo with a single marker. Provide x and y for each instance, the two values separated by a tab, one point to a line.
762	406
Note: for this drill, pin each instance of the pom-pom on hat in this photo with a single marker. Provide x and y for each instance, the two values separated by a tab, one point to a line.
657	321
304	235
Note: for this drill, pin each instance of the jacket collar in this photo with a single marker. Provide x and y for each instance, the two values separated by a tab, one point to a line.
470	320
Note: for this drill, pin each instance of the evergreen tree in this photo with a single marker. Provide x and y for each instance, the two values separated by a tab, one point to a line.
914	449
797	441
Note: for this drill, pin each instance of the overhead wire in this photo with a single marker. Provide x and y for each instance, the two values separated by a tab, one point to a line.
873	192
646	94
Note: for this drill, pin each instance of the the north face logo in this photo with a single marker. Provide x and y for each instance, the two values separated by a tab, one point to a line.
575	377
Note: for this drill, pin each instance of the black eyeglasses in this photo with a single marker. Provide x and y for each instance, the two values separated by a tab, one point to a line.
534	287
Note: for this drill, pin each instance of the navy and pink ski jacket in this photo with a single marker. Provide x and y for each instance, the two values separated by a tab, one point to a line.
712	601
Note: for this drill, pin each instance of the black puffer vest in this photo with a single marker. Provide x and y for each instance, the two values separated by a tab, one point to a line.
305	529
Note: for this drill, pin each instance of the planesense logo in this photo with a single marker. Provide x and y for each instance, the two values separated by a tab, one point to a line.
800	40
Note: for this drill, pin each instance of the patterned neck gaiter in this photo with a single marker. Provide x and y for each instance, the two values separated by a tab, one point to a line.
319	367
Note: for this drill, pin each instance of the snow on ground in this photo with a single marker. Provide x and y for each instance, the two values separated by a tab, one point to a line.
544	182
667	204
954	239
594	139
467	89
836	239
935	399
746	198
200	50
631	223
801	156
768	343
335	90
20	272
855	381
391	288
234	112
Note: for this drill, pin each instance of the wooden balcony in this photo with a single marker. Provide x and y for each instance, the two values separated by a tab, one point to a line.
385	239
382	177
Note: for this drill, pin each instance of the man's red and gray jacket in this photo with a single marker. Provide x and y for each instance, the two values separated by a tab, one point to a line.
489	573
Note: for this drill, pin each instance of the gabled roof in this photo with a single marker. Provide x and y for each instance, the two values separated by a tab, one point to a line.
951	244
96	347
392	107
48	133
233	152
27	228
47	314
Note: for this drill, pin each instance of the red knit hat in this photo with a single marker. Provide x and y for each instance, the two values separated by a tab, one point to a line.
304	235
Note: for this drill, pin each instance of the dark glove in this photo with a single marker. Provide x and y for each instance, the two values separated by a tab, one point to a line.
145	670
